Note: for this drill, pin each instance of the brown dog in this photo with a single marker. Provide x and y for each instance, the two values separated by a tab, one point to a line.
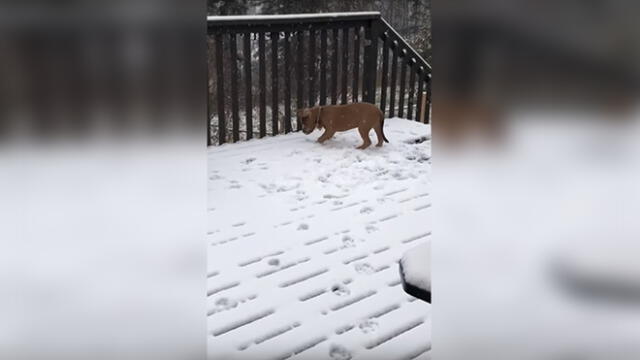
333	118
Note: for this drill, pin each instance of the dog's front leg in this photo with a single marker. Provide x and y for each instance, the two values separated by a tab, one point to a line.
324	137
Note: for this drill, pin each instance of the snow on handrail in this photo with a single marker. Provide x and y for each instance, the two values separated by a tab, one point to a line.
287	18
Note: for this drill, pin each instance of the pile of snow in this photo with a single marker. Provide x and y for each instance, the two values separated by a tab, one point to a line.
416	268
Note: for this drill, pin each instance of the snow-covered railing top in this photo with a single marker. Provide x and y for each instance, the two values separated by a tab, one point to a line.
342	48
293	18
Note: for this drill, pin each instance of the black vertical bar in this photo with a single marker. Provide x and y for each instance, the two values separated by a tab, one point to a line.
248	85
222	135
370	67
274	82
299	77
323	66
345	63
403	76
420	91
287	84
394	75
312	67
334	67
262	86
412	88
428	106
234	87
385	70
356	62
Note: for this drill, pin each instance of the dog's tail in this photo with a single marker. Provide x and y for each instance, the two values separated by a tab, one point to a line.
382	127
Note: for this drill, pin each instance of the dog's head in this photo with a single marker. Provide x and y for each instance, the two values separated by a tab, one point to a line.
308	120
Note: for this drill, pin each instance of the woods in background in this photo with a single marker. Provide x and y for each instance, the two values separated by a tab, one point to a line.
411	18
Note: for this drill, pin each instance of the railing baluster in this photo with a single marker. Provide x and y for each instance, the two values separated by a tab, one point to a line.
234	87
403	80
412	88
222	134
356	63
274	82
334	67
312	67
323	66
287	84
300	77
370	63
419	107
248	85
262	85
385	70
345	63
394	76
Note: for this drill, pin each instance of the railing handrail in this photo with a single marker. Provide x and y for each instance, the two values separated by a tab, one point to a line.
404	44
249	20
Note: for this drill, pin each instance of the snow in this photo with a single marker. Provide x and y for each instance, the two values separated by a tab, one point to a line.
304	242
416	266
290	16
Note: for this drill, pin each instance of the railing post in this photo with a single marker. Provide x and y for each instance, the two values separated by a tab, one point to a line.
369	74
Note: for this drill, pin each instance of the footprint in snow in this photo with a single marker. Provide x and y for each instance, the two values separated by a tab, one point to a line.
368	326
303	226
370	228
348	241
364	268
249	160
225	304
366	210
340	290
338	352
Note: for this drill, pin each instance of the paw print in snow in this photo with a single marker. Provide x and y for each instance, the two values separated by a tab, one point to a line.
368	326
303	226
338	352
366	210
225	304
347	241
371	228
340	290
364	268
249	160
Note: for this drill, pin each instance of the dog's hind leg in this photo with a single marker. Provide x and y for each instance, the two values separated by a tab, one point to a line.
365	138
378	130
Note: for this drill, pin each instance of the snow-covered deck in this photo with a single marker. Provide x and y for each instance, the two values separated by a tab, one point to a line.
304	242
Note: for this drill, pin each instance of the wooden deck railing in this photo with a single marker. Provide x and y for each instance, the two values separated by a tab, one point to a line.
314	59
